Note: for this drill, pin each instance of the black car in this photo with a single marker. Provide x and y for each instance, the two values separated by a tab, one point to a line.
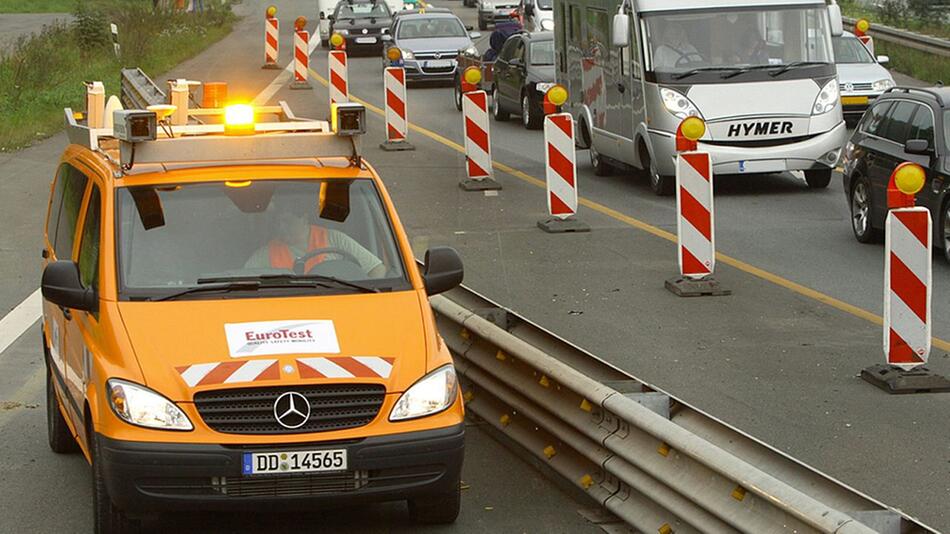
904	124
523	72
362	23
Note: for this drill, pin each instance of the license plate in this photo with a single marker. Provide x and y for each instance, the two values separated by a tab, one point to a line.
852	100
438	64
261	463
365	40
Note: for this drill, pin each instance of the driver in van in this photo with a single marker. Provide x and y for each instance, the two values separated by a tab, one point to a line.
675	48
752	49
295	236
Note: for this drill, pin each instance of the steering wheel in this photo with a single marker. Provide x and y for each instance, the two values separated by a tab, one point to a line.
300	263
685	58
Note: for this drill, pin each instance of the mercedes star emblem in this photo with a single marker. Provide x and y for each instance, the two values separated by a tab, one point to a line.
292	410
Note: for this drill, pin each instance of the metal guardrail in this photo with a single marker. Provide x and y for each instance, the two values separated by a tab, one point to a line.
925	43
139	91
654	461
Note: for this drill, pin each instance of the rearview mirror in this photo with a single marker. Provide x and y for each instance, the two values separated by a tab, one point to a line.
883	59
621	30
917	146
62	286
837	26
442	270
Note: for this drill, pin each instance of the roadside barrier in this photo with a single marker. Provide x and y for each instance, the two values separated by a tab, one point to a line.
301	57
477	143
397	122
654	461
339	86
560	166
695	221
861	27
271	39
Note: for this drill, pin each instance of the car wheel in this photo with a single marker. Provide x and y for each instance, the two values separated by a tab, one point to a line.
107	518
599	163
860	201
496	109
437	509
818	178
946	230
61	440
457	89
529	117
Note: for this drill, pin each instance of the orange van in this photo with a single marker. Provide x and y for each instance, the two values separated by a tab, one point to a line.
237	321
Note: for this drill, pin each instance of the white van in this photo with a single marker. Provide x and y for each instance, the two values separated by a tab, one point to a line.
325	8
761	73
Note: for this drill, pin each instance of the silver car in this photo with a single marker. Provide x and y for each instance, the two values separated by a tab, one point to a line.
494	11
861	78
430	42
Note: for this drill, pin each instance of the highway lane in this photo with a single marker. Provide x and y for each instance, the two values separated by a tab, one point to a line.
770	361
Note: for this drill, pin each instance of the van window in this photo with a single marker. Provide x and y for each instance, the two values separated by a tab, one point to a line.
89	244
922	126
67	199
897	121
598	30
508	50
871	123
575	24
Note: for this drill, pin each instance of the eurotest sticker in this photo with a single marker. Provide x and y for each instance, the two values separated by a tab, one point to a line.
281	337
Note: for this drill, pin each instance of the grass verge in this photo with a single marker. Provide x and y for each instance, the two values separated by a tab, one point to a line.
914	63
42	75
900	20
37	6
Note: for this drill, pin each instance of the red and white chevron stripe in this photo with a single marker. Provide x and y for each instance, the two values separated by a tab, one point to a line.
345	367
397	123
301	55
559	159
907	286
477	138
695	223
339	86
271	42
232	372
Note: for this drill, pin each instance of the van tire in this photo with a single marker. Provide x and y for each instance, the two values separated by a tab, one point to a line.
441	509
661	185
818	178
61	440
599	163
107	518
457	90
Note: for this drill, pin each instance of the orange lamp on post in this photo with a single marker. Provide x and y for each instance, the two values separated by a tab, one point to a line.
300	23
471	77
688	133
394	54
554	98
906	181
270	12
861	27
337	42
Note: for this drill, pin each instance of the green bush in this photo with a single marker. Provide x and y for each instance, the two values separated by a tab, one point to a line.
913	62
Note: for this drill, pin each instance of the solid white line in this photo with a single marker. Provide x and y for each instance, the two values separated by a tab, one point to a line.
20	319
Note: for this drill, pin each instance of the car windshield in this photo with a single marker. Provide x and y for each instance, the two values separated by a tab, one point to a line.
363	11
681	42
545	4
542	53
850	50
170	237
433	27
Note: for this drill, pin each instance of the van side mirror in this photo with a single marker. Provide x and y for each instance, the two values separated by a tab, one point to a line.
62	286
331	18
917	146
620	36
883	59
837	26
442	270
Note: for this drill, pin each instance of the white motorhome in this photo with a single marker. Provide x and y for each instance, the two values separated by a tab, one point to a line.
761	73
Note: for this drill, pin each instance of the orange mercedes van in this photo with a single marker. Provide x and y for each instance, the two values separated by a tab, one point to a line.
238	321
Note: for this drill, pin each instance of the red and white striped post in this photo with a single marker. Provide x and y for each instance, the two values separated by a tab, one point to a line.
301	55
397	121
695	221
477	143
560	166
908	250
271	39
339	85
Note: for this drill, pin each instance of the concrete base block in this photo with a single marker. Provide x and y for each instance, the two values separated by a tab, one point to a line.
708	286
271	66
899	381
300	85
556	225
480	184
396	146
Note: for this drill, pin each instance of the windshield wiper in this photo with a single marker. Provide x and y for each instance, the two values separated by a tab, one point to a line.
794	65
232	285
744	70
268	281
697	70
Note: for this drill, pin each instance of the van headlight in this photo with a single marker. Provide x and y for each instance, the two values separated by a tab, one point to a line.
432	394
677	104
141	406
547	25
544	87
827	98
883	85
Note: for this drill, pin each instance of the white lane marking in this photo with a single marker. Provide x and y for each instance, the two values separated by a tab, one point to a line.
20	319
379	366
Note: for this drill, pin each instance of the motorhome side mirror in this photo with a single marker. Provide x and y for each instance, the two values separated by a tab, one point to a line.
442	270
917	146
837	26
323	15
883	59
62	286
331	18
621	30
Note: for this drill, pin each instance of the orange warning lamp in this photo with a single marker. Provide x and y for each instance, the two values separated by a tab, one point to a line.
554	98
239	119
691	130
906	181
471	77
271	11
394	53
337	40
300	23
861	27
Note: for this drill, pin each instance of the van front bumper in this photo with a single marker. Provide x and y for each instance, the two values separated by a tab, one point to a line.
144	477
818	152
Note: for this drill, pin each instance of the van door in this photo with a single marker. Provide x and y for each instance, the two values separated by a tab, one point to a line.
632	103
599	81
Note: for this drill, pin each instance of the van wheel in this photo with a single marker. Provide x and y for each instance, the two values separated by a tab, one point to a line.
496	110
437	509
107	518
599	163
61	440
860	202
946	230
661	185
818	178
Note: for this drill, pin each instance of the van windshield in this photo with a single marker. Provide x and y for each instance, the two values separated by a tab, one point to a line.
736	40
174	237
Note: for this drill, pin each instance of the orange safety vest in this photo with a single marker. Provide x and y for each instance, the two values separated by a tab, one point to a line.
282	258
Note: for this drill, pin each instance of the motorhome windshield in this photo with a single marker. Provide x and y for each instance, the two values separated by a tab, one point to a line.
726	44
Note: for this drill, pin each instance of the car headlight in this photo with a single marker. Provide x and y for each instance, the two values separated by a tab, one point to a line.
544	87
883	85
547	25
141	406
827	98
432	394
343	32
677	104
471	51
407	54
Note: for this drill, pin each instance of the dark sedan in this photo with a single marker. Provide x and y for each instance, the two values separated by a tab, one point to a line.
362	24
523	72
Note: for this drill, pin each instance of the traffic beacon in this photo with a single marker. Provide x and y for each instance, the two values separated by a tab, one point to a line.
271	38
471	77
908	250
861	28
397	116
560	166
301	55
478	162
695	221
